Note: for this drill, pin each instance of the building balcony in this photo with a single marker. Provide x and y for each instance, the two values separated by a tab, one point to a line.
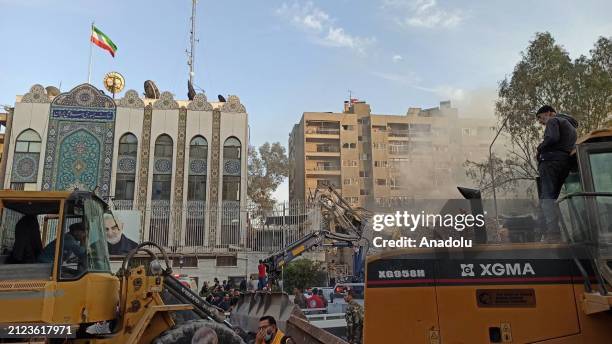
323	170
408	133
324	151
400	152
322	132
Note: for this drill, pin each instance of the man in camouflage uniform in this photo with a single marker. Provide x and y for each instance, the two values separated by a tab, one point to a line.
354	319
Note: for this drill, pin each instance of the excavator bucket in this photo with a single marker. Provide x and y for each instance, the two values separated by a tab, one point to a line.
289	318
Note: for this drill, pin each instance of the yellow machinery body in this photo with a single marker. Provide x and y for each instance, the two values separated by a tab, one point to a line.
438	305
131	300
507	292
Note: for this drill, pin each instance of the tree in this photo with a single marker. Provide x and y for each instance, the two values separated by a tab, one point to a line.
593	86
545	75
268	167
303	273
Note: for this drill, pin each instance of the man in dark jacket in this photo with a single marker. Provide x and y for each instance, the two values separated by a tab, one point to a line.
554	163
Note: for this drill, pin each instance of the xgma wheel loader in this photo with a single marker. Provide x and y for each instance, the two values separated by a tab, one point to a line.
516	292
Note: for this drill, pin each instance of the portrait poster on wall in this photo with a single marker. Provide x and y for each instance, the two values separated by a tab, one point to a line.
122	231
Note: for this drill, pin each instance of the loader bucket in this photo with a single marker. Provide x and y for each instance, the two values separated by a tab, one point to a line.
289	318
253	306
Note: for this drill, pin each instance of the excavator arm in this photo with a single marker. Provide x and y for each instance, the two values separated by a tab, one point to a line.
345	229
278	260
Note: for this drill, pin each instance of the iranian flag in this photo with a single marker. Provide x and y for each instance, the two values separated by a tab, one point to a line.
100	39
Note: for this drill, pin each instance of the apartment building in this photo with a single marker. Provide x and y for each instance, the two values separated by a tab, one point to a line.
385	158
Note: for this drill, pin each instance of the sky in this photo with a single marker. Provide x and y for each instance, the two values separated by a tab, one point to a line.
283	58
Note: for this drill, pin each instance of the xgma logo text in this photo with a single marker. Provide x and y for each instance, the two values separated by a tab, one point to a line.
498	269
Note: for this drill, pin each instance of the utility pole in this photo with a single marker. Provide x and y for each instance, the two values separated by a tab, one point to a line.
492	169
193	40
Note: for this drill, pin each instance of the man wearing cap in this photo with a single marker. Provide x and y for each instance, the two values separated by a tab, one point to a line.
354	319
554	163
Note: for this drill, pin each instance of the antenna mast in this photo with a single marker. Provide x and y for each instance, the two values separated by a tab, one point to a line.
193	41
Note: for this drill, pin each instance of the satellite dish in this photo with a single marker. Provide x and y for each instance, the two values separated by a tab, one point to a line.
221	98
52	91
151	90
190	91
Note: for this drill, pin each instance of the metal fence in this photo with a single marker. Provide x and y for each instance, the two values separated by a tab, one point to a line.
196	227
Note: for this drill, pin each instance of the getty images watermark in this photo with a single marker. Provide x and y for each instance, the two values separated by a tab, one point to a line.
405	221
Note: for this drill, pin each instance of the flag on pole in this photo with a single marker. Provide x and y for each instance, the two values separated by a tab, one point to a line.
100	39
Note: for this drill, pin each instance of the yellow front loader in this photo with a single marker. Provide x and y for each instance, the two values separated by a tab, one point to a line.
62	286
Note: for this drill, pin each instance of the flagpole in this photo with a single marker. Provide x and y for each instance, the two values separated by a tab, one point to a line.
90	54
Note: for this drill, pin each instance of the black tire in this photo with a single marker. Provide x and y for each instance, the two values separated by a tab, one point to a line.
180	317
183	333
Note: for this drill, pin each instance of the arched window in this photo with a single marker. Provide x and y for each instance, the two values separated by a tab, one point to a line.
25	161
230	222
126	168
231	169
196	191
28	142
161	190
231	148
162	168
198	155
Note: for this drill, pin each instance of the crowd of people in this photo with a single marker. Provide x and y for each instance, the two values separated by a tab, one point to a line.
222	295
315	300
225	296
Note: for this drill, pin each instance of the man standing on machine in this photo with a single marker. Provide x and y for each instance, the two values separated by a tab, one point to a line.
554	163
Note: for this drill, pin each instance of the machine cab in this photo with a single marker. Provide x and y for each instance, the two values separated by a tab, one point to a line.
586	207
51	242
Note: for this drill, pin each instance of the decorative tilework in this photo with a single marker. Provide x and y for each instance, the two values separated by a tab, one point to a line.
131	100
214	177
25	167
83	114
80	135
144	158
59	151
166	102
198	167
180	173
78	165
233	105
200	103
37	94
126	164
231	167
85	95
162	166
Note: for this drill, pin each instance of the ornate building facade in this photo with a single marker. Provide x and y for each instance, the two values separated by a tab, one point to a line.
182	164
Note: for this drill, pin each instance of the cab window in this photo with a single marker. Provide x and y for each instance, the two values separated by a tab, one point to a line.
26	227
601	174
601	171
84	247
